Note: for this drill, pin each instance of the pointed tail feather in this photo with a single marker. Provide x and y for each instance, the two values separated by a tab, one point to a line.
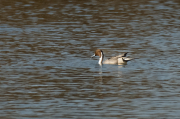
122	55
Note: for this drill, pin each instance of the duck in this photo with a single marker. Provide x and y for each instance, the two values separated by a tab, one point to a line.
120	59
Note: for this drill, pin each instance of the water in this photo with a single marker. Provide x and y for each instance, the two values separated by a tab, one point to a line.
46	70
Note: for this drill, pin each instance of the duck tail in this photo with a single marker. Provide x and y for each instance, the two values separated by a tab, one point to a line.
124	54
126	59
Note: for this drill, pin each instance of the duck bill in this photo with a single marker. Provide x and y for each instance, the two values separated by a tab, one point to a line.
93	56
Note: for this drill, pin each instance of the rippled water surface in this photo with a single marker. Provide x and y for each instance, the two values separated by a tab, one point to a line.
46	71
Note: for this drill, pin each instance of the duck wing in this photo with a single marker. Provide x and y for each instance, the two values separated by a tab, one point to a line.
112	60
126	59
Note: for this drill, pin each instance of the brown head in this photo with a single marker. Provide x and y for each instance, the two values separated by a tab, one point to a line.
98	53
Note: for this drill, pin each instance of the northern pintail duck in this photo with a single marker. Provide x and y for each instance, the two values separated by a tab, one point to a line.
120	59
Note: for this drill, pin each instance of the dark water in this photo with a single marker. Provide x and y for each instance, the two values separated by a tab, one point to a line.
46	71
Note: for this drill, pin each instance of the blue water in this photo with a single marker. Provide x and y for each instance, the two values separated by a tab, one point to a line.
47	70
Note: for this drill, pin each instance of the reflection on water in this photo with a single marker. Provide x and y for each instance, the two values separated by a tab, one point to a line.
46	69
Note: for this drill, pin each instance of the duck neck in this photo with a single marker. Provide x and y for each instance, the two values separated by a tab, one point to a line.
101	58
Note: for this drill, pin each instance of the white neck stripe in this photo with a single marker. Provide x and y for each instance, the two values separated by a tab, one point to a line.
101	58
